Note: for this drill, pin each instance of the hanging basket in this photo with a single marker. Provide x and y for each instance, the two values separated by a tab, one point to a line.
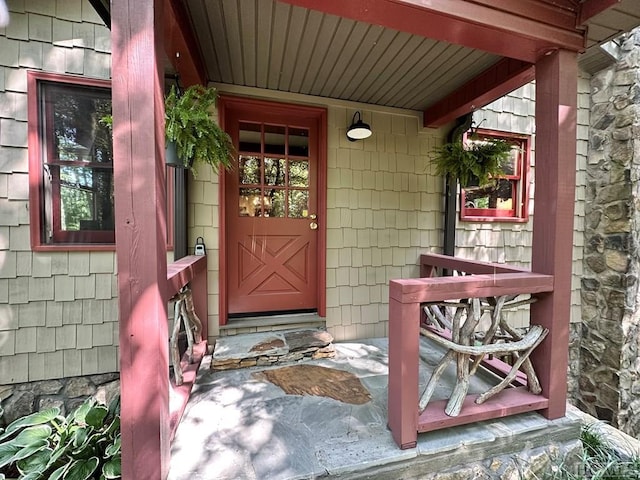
475	161
171	157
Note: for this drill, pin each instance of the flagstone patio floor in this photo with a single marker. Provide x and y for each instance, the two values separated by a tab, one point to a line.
238	425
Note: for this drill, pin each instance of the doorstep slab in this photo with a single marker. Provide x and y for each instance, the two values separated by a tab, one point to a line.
269	348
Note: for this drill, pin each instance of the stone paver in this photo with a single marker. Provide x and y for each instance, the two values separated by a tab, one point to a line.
270	348
237	425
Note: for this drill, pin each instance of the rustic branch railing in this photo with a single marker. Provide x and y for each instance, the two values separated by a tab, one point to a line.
406	301
192	271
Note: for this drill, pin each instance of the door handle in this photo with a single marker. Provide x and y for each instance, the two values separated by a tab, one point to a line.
313	216
313	226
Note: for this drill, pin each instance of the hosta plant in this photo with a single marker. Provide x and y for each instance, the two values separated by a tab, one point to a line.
46	445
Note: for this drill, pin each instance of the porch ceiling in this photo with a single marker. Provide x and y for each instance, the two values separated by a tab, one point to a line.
619	18
273	45
280	46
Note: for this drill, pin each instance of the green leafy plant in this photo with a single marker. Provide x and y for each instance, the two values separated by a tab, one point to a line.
45	445
190	124
191	128
476	160
599	461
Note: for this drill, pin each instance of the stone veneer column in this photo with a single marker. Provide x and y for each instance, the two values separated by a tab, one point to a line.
609	380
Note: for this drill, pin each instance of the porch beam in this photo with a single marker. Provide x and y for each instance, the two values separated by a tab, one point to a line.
552	250
181	45
460	22
591	8
139	170
552	14
495	82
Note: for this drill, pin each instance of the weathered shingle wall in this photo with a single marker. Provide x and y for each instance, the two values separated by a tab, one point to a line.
384	210
58	311
511	242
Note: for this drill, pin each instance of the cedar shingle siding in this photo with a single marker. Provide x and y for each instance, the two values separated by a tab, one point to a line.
58	311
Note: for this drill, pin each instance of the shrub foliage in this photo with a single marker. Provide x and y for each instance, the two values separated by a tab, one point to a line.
46	445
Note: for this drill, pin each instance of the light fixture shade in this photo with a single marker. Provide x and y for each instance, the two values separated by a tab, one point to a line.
358	129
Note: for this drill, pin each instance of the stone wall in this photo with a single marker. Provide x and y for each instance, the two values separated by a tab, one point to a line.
67	393
609	380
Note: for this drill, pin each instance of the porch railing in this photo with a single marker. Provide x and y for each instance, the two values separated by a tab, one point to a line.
406	299
191	270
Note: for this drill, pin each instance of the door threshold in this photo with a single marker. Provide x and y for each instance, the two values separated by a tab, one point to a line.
271	322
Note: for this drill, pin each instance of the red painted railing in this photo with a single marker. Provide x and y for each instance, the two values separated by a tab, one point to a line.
482	280
190	270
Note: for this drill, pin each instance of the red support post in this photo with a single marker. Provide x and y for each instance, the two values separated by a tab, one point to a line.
200	299
140	199
556	103
404	338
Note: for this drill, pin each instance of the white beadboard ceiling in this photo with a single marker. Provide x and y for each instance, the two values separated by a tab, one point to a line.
273	45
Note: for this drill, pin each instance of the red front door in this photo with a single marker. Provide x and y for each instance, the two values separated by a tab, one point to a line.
271	209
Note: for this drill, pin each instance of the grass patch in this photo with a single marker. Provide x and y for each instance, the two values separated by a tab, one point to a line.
599	461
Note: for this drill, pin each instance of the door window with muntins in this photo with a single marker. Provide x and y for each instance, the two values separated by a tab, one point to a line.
273	171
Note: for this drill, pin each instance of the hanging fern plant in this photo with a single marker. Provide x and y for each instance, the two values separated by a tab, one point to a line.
190	130
191	126
478	160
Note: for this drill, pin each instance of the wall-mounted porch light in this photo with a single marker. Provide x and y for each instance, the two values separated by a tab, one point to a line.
358	129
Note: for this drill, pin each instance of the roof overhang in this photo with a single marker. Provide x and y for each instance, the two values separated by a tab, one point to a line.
442	57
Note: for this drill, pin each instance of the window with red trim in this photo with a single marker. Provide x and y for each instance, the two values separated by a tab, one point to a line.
504	198
71	162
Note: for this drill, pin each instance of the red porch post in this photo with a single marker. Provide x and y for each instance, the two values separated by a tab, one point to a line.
404	343
556	100
139	170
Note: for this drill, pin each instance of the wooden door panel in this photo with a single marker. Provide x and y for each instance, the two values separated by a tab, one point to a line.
270	198
273	273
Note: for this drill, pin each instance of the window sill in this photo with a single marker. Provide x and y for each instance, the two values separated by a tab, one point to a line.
75	247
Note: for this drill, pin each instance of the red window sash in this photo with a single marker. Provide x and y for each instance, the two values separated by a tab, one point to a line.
44	194
519	190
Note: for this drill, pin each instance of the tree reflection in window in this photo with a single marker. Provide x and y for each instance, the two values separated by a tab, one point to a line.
278	177
79	160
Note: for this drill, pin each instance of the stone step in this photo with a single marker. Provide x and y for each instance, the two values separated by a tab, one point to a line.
271	348
240	326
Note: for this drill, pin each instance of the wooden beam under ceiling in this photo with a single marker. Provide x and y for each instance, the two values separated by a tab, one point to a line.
181	45
591	8
552	14
461	22
495	82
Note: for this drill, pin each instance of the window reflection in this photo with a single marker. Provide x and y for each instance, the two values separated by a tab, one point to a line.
249	170
277	198
272	184
253	203
298	203
495	195
274	137
274	171
299	142
250	137
299	173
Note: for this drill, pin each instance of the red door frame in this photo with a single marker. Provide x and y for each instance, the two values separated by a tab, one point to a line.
228	102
